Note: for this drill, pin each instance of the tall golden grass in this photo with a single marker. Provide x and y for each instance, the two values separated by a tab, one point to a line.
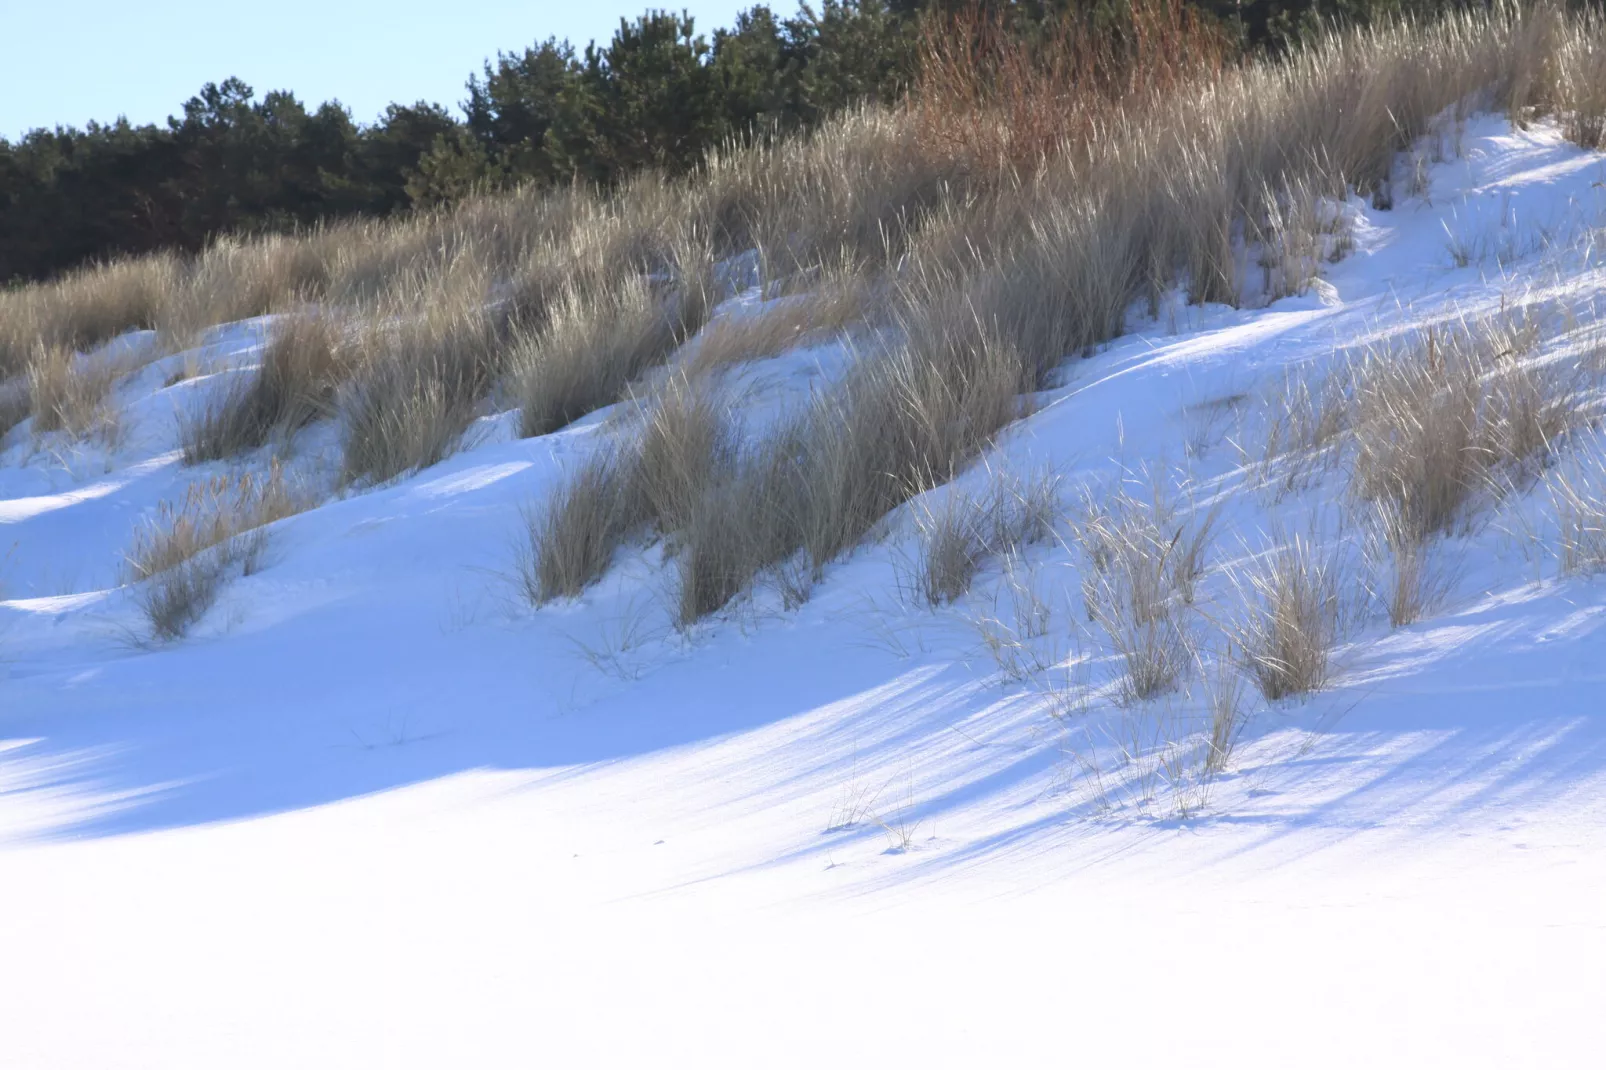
1006	218
1157	200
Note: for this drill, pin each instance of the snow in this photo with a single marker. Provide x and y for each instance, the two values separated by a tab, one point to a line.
376	812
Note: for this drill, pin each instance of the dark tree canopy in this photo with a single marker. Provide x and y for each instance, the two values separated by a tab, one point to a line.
659	94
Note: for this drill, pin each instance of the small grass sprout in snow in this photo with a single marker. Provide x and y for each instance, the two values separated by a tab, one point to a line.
1500	241
1017	628
1192	762
1207	422
1167	753
1221	688
614	648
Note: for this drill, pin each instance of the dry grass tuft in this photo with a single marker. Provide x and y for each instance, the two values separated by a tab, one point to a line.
84	308
591	349
906	420
1434	418
573	538
15	403
685	437
719	553
783	324
1406	577
70	393
211	512
1290	617
174	601
953	544
661	475
954	538
900	422
236	279
1577	493
747	523
1304	433
182	557
1581	81
303	363
423	364
598	340
1139	568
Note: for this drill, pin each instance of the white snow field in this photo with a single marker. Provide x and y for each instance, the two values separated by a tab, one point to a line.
375	811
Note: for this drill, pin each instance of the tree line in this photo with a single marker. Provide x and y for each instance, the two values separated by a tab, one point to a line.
658	94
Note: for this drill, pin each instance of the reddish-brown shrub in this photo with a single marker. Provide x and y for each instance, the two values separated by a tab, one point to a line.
988	92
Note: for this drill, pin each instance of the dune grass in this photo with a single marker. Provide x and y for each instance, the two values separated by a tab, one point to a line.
999	223
182	557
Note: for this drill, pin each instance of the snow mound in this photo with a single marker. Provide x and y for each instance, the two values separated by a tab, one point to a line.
374	811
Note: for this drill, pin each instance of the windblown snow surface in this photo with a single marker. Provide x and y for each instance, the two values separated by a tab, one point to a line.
376	812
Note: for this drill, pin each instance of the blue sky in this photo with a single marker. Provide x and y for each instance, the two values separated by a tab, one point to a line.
69	61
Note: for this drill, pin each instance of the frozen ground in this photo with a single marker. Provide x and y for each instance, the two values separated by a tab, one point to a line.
375	812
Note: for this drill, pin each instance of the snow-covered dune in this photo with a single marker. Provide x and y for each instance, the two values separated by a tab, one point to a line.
376	811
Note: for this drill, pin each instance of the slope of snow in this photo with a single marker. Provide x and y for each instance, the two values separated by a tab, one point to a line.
375	812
